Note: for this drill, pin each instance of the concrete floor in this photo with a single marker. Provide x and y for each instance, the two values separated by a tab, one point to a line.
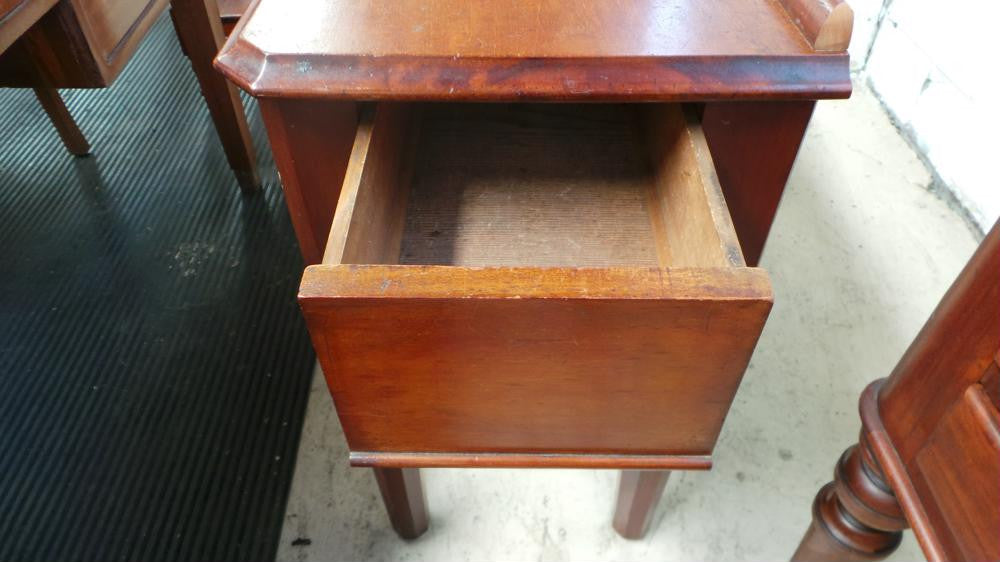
859	255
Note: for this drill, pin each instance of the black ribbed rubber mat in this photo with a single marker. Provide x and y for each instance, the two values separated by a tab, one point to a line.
154	367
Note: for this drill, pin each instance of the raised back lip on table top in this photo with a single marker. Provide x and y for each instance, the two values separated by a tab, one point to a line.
595	50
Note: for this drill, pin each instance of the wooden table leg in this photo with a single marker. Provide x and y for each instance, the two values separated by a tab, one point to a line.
754	145
68	131
311	142
199	28
856	517
405	502
639	492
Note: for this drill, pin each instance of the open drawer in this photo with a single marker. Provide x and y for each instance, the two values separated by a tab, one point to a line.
532	285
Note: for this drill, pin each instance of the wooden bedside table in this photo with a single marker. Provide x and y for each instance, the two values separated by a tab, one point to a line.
535	284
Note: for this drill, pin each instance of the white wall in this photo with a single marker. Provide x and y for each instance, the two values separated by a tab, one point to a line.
866	14
935	67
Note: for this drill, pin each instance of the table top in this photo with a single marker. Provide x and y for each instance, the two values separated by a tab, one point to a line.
543	49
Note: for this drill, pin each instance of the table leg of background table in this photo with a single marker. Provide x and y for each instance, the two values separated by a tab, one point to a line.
311	141
405	502
68	131
639	492
754	145
199	28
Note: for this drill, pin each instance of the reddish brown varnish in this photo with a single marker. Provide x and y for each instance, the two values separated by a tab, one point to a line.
448	319
545	362
642	50
929	454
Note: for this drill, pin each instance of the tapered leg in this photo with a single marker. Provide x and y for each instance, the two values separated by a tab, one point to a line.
68	131
403	494
199	28
856	517
754	145
639	492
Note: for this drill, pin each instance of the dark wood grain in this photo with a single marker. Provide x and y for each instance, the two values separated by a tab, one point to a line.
551	50
930	443
754	145
199	29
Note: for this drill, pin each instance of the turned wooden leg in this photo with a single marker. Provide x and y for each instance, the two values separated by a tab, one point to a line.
753	146
639	492
403	494
855	517
199	28
68	131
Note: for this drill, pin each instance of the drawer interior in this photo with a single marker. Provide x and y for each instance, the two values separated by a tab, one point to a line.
541	185
532	285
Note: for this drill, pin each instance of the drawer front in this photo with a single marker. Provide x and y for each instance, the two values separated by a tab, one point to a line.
529	324
607	362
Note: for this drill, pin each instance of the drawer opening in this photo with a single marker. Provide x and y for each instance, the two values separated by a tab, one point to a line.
532	185
532	285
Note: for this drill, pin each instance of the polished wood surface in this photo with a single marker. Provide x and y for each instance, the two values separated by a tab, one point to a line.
930	439
508	350
547	50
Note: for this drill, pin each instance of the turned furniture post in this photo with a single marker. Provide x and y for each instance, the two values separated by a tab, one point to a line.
856	516
929	454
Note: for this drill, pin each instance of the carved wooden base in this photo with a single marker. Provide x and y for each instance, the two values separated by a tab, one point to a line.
857	516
